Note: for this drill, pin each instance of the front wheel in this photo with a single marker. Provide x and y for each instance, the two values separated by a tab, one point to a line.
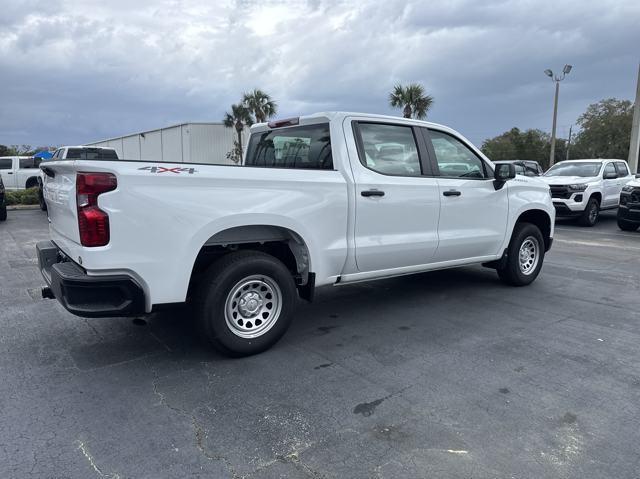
589	216
625	225
244	303
525	255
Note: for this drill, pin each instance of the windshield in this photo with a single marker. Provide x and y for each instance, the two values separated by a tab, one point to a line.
575	169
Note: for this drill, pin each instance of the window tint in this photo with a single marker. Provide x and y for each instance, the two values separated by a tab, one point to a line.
6	163
301	147
622	168
91	154
27	163
609	169
454	158
389	149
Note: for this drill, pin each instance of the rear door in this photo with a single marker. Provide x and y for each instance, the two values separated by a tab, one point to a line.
7	171
397	199
473	214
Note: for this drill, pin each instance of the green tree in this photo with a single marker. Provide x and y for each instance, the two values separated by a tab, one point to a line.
516	144
238	118
260	105
412	99
7	151
605	130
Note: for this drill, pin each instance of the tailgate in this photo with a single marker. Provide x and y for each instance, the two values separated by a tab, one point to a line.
59	190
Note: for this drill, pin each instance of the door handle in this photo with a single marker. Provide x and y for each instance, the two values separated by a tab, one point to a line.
9	172
452	193
372	193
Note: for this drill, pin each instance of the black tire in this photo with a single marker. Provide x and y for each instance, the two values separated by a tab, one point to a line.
3	213
43	203
591	213
217	286
625	225
512	273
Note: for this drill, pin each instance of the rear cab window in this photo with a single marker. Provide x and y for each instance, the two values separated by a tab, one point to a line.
297	147
6	163
26	163
91	154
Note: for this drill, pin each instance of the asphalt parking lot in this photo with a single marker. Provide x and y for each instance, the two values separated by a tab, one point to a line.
441	375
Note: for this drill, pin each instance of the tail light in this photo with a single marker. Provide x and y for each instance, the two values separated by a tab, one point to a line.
93	223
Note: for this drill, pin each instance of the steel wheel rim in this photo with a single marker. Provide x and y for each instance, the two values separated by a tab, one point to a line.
529	255
253	306
593	213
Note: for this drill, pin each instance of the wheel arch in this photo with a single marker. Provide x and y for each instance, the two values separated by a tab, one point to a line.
279	241
31	182
541	219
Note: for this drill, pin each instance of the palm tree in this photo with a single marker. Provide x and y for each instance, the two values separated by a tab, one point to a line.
412	100
239	117
260	104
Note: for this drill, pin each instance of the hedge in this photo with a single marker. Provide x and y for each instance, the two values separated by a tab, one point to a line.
22	197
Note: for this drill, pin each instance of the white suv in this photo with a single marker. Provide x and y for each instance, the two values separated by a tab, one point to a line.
583	188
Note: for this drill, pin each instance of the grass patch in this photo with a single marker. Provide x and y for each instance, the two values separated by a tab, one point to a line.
22	197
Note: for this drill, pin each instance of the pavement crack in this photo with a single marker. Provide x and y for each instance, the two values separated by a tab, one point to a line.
85	452
199	432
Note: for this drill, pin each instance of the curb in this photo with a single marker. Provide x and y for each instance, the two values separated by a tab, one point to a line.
23	207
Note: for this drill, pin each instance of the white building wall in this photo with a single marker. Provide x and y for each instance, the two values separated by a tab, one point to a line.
187	143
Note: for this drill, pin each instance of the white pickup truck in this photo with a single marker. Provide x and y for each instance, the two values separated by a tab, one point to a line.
327	199
582	188
19	172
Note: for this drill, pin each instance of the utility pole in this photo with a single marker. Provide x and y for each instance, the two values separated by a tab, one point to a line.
569	142
634	147
557	79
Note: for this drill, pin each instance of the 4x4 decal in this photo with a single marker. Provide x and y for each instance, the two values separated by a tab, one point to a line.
161	169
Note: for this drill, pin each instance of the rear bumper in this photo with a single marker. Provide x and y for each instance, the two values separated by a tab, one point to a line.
84	295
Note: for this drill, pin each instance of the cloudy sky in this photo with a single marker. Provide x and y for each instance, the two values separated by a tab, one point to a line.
73	71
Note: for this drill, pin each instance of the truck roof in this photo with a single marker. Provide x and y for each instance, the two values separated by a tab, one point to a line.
85	147
587	160
338	115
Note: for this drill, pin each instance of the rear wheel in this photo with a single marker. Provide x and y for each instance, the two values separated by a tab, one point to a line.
525	255
3	213
244	303
589	216
625	225
41	201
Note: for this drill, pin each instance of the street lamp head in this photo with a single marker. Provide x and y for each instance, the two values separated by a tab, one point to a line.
567	69
549	73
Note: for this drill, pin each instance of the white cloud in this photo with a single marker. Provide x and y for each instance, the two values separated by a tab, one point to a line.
79	70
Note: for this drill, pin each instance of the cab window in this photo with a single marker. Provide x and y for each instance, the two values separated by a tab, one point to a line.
455	159
610	171
389	149
622	169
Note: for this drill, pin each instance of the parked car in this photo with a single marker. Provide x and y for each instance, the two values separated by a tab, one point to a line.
3	202
629	209
583	188
318	201
75	153
525	167
19	172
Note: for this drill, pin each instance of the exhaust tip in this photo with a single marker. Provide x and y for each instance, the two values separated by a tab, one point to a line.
47	293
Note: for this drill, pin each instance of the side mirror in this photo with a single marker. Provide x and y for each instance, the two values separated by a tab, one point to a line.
610	176
504	172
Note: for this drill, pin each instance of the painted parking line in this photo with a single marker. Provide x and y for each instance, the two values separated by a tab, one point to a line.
594	243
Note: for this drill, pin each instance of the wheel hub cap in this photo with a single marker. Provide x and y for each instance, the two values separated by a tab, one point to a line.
529	255
253	306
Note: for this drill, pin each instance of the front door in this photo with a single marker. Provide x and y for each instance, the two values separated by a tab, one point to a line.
612	186
397	199
473	214
8	173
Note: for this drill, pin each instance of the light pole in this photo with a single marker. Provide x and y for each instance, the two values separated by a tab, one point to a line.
557	79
